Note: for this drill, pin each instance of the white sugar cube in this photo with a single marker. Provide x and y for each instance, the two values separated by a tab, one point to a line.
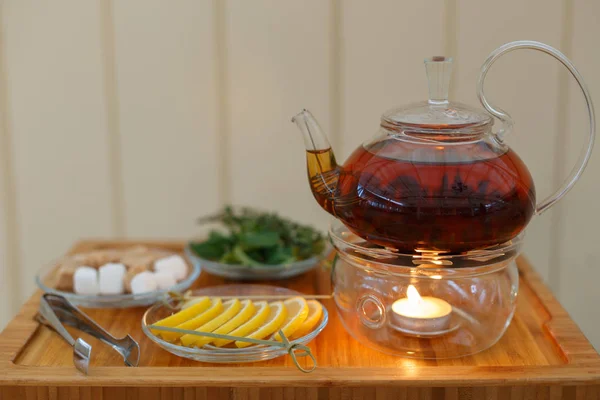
174	264
110	278
164	280
143	282
85	281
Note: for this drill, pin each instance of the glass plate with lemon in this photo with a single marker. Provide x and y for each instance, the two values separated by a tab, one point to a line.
245	311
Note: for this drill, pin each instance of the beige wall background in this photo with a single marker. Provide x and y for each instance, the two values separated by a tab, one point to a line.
131	118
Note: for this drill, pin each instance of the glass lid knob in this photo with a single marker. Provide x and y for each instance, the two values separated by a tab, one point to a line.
439	70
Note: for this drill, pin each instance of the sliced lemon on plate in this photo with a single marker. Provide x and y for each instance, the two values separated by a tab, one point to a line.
201	305
315	312
230	309
216	307
244	313
277	315
261	313
297	312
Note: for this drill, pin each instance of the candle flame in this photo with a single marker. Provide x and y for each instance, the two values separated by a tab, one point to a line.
413	295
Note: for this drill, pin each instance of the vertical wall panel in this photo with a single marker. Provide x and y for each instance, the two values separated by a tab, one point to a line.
579	259
167	114
278	63
7	293
8	254
57	112
384	45
524	83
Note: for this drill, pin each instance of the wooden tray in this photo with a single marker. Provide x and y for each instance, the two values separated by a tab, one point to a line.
543	353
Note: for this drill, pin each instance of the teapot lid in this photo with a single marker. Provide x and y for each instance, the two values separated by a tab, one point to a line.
438	113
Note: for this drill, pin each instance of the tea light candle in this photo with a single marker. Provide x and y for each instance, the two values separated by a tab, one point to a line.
418	314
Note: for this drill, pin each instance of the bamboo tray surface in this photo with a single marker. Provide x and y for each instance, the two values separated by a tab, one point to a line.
542	345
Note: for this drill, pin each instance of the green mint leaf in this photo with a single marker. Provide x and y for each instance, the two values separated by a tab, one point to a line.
254	240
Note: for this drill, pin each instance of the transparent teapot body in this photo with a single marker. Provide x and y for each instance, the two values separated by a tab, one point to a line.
410	192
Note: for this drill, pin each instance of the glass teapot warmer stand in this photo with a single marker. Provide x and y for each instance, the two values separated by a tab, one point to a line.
465	302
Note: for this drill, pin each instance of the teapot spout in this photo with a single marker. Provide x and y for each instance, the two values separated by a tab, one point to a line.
323	171
314	138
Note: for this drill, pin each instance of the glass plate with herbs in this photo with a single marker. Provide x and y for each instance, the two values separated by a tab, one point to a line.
249	244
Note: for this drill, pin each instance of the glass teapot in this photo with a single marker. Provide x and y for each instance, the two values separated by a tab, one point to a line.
435	177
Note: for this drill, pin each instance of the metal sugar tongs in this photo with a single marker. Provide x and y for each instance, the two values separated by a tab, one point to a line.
56	311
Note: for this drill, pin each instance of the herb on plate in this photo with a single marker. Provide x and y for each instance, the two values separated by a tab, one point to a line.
257	238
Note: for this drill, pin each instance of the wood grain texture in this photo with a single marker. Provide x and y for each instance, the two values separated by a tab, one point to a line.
542	354
289	393
514	84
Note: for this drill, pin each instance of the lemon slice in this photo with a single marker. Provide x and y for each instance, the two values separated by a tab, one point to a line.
230	309
192	301
276	318
297	313
315	311
248	311
261	313
215	309
201	305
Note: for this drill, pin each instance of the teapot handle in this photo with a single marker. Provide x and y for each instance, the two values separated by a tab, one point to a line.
507	121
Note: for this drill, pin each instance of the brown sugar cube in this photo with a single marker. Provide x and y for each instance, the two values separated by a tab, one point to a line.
135	250
79	258
102	257
98	258
135	264
64	275
157	254
131	272
133	260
